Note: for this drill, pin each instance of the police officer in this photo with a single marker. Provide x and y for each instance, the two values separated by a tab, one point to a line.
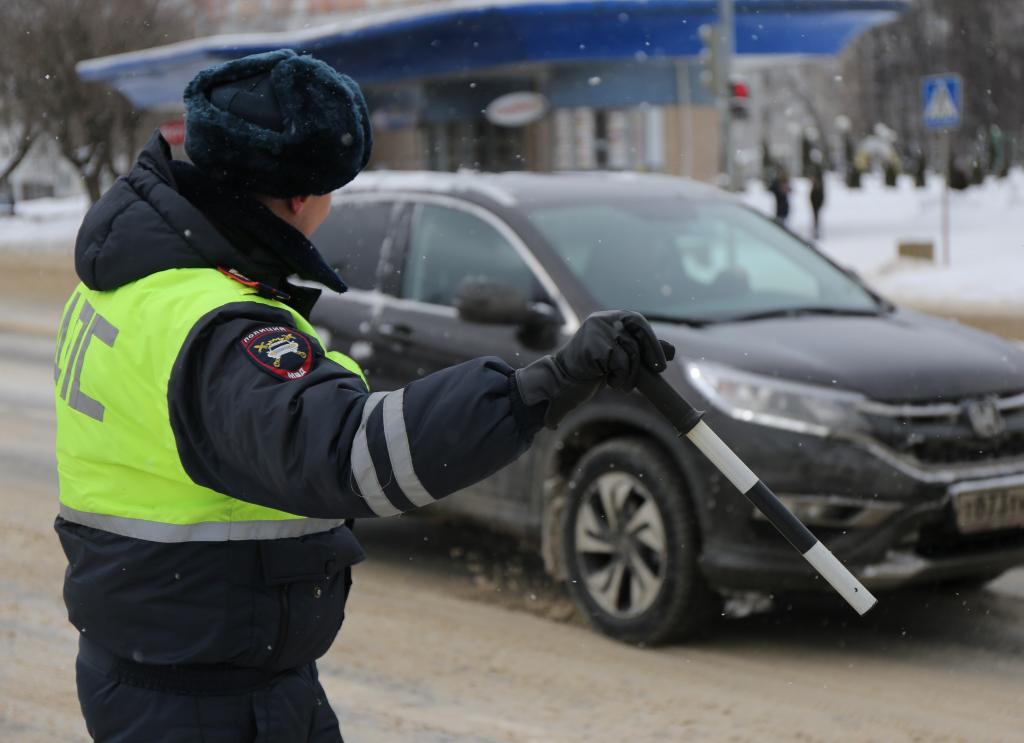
210	448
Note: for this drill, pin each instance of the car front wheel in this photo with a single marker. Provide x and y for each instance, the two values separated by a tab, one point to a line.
631	544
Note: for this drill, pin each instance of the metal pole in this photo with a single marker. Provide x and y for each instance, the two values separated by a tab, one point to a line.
685	112
946	258
726	47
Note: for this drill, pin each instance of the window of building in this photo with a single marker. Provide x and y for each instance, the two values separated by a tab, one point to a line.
478	145
609	139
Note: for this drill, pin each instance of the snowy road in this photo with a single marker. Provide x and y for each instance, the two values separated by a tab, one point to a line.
455	636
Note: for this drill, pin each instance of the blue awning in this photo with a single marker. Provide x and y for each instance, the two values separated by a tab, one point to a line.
457	37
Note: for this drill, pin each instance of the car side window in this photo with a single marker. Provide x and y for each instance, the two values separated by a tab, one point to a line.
351	239
448	245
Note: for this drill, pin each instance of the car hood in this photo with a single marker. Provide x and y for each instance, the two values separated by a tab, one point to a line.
903	356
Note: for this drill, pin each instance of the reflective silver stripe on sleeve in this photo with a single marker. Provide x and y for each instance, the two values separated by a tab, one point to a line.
206	531
362	464
399	452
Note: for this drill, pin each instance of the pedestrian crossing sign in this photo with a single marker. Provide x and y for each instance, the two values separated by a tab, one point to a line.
943	101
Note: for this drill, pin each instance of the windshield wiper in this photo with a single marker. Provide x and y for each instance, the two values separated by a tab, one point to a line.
802	312
692	321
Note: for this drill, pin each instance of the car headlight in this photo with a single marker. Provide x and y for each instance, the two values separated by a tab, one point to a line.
792	406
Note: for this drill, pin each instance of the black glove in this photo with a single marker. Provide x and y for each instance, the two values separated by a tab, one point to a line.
609	348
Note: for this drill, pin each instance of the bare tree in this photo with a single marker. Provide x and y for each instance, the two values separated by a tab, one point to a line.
20	114
91	123
797	88
982	41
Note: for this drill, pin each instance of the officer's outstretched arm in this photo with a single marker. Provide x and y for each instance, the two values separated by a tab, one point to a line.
261	415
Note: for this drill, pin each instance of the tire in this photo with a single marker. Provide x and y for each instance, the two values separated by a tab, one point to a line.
627	581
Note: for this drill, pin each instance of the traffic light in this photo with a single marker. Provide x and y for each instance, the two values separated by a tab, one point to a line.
739	99
709	57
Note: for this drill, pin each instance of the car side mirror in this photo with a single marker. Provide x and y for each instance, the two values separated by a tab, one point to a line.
490	302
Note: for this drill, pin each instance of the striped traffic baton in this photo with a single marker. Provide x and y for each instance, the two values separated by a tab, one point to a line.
687	420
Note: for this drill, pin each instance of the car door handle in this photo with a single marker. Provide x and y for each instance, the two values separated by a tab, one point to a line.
395	331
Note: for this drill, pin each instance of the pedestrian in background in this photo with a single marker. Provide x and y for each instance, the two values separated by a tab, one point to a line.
212	451
779	188
817	196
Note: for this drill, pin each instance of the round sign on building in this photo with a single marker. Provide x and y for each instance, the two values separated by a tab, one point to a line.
516	109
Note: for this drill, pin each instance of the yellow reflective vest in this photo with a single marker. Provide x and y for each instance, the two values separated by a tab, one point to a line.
117	459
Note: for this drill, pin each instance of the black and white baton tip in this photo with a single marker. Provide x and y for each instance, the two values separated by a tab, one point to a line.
820	558
841	579
687	420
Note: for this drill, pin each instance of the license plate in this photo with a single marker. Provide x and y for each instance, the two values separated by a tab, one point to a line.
989	510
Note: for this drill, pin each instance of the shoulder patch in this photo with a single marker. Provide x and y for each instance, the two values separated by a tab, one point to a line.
279	350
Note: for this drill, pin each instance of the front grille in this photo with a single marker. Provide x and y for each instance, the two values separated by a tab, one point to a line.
942	433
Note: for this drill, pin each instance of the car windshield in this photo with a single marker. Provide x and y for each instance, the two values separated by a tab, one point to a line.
695	261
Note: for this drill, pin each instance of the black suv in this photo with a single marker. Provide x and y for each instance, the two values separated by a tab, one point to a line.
897	437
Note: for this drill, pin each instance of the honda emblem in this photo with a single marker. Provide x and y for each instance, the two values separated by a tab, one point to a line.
984	417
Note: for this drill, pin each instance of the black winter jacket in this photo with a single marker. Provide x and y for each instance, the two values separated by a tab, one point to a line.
259	437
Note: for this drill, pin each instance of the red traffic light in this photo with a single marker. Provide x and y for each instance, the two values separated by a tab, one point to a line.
739	89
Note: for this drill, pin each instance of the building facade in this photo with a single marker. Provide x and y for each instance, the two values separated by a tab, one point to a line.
510	84
640	116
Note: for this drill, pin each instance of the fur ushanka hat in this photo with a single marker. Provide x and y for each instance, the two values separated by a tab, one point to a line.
278	124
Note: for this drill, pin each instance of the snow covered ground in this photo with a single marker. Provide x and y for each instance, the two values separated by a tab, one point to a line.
861	229
43	225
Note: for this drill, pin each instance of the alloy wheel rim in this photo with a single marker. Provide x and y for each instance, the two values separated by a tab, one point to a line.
620	545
